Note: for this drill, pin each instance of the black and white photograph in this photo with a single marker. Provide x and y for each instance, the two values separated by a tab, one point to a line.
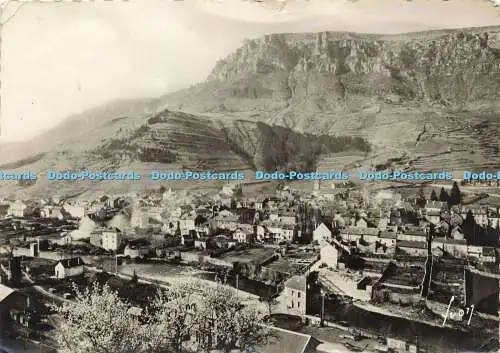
254	176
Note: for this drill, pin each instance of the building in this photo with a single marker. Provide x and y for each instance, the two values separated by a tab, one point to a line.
370	235
351	234
77	210
19	209
322	232
135	252
454	247
387	238
413	248
435	206
413	235
111	239
433	216
139	219
329	255
69	267
15	308
187	222
294	294
244	235
225	220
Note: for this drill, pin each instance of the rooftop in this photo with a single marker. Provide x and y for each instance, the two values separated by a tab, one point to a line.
297	283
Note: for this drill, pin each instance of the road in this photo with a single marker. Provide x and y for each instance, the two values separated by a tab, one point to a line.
22	346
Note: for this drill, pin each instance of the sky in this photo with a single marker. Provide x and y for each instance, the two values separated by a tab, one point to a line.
59	59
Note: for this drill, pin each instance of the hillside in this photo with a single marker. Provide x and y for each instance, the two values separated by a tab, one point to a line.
420	97
329	100
173	140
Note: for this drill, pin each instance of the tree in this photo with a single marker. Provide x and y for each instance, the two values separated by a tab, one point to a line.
443	195
134	278
271	301
434	196
98	321
421	200
223	322
455	196
173	315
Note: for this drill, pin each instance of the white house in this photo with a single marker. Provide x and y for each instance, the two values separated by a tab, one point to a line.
111	238
139	219
187	222
19	209
294	294
244	235
76	211
322	233
329	255
69	267
225	220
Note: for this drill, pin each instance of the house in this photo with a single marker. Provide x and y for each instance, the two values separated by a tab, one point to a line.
134	252
361	223
433	216
50	211
454	247
224	242
19	209
322	232
231	189
351	234
201	243
482	254
140	218
435	206
244	235
387	238
225	220
413	248
338	220
15	308
278	232
187	240
69	267
329	255
370	235
413	235
77	210
187	222
294	295
111	238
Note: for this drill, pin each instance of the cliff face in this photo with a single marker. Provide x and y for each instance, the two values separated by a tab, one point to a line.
452	69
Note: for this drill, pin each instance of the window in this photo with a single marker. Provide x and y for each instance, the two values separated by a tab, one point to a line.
298	304
298	294
292	293
292	304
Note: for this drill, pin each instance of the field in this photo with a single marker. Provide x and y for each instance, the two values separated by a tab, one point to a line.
248	255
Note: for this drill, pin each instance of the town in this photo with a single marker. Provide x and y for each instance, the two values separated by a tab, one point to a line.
336	268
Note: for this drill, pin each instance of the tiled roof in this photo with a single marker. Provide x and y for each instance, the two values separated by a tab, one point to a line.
412	244
388	235
285	341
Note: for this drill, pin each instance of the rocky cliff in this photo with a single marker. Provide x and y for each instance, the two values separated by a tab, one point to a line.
331	69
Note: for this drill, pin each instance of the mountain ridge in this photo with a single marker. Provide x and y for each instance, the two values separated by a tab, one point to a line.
414	98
